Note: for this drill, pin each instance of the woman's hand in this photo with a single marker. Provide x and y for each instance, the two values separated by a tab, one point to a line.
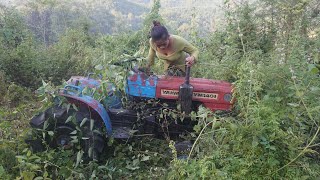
190	61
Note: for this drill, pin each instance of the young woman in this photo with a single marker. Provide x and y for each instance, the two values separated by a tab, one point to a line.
176	52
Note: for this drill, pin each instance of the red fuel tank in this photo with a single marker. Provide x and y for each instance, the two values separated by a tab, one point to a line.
214	94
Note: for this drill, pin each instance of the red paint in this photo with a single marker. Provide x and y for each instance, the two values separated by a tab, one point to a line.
92	106
200	85
151	81
143	77
134	77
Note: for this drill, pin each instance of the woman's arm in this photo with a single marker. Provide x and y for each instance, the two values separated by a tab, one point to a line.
190	49
151	56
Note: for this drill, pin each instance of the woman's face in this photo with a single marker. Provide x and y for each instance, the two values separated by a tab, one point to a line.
162	43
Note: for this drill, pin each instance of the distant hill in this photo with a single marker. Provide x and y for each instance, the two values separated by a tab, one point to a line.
113	16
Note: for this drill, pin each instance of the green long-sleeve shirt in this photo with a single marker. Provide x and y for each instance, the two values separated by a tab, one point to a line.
180	48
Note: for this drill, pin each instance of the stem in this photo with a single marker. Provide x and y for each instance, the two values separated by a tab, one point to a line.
248	104
194	144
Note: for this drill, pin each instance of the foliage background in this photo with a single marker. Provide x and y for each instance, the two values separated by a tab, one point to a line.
269	49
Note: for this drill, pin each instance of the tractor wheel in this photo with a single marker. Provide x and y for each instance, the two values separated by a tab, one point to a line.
61	137
91	142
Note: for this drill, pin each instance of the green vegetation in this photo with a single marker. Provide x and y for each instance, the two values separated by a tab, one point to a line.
269	50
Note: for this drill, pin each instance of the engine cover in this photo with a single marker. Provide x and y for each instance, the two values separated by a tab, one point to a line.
213	94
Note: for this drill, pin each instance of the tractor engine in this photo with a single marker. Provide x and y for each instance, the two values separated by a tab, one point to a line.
213	94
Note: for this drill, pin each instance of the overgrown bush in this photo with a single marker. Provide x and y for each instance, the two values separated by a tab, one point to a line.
16	95
71	55
276	91
27	62
3	86
8	162
18	53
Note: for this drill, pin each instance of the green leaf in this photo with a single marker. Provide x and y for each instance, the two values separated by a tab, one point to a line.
91	124
75	107
272	148
51	133
74	141
74	132
21	157
293	104
255	142
84	120
97	132
26	175
315	89
291	116
132	132
79	157
233	127
197	128
46	174
98	67
43	135
69	119
2	171
278	99
45	124
93	175
174	116
145	158
135	162
313	69
29	153
299	93
68	107
90	151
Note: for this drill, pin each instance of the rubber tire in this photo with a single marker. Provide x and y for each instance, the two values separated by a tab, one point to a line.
60	128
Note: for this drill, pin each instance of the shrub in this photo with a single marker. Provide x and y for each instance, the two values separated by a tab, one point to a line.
3	86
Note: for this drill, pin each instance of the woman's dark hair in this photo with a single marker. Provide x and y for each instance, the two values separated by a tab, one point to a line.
158	31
